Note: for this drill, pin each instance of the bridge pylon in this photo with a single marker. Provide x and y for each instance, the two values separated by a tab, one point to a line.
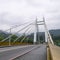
47	34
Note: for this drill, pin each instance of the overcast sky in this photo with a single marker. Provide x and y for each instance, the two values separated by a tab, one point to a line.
13	12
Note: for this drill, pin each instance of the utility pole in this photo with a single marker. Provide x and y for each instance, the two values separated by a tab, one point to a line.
10	39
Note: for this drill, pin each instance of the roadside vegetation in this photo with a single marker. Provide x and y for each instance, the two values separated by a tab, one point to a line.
29	38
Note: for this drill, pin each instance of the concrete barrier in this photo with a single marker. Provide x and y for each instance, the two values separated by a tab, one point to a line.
55	52
48	54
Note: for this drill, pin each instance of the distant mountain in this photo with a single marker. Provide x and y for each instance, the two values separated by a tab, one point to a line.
55	32
4	34
52	32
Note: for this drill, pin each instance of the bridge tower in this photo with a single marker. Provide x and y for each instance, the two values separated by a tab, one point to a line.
37	23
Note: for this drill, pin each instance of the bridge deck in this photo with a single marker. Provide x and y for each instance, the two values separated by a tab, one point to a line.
37	54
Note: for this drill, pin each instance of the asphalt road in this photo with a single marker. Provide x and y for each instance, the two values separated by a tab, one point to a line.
11	52
36	54
3	49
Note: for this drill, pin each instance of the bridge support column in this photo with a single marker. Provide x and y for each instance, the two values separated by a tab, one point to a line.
35	33
46	32
34	38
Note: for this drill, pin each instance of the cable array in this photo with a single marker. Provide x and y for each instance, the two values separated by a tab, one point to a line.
16	32
26	35
22	33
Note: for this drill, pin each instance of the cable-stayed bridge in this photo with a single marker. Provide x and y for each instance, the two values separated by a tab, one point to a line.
27	28
34	51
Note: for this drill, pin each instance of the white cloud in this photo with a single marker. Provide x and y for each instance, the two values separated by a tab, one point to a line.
18	11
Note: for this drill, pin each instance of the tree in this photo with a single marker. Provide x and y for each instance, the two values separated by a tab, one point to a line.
13	37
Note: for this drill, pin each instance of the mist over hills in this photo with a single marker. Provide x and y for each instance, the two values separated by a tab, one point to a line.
4	34
52	32
55	32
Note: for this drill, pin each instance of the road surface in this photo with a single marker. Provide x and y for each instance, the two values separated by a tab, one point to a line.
36	54
12	52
